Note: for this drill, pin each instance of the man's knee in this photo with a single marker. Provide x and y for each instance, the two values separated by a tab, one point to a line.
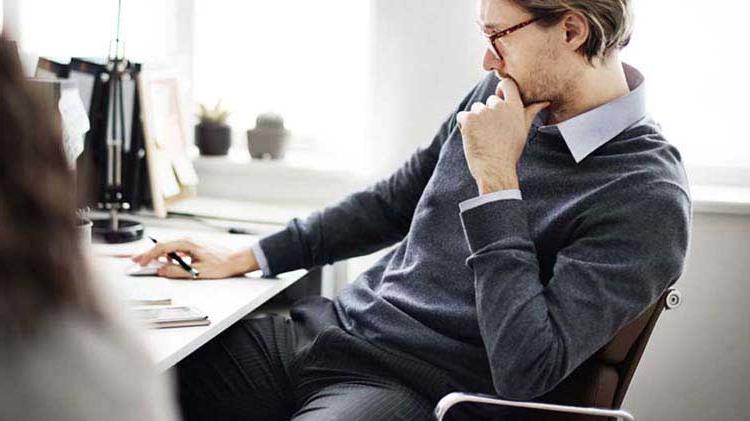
365	401
239	374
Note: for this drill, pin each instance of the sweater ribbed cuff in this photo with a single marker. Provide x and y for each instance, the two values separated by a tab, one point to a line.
493	221
281	251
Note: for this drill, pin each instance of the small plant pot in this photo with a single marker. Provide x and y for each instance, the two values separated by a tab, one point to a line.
213	139
267	143
83	230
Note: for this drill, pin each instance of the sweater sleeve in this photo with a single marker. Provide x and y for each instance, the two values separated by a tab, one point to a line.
621	257
363	222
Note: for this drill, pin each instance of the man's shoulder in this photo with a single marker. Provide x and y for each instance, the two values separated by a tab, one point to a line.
643	158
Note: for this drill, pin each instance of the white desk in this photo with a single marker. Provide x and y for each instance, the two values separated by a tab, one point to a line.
225	301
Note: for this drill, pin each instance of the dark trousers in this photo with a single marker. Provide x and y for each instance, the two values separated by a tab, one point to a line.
301	368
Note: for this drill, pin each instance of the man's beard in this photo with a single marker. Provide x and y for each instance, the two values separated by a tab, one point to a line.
533	95
543	88
527	97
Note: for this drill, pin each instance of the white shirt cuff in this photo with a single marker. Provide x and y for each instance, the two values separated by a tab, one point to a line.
260	256
489	197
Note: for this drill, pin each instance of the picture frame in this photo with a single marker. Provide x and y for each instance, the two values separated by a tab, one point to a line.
172	176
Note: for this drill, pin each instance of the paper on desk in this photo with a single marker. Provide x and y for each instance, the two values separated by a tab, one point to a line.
75	123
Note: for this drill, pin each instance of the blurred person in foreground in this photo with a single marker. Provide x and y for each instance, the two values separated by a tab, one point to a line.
547	213
63	353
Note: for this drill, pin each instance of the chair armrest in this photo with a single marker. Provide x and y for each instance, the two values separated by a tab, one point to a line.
451	399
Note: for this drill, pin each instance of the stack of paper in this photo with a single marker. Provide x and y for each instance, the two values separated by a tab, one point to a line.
163	317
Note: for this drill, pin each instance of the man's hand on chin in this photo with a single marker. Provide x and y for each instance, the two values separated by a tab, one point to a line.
494	135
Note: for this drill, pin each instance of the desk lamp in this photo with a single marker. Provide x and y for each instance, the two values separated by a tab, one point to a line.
115	229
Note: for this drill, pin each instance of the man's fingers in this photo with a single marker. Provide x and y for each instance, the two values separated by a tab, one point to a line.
162	249
461	118
174	272
493	101
477	107
508	89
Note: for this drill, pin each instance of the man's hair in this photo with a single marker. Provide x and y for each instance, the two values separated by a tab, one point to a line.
610	22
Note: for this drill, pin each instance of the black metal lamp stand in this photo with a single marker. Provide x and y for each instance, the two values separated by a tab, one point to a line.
115	229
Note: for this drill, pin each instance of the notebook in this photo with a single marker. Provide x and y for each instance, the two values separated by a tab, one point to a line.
164	317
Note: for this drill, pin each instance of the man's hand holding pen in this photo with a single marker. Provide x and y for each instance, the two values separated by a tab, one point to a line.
210	263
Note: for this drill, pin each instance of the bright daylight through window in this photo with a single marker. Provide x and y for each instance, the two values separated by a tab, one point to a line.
695	61
307	61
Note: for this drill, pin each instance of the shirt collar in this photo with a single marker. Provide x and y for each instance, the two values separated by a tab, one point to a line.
586	132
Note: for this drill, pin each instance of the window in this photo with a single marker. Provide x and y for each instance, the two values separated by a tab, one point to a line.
306	60
694	57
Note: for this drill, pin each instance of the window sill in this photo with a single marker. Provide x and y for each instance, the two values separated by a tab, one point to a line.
298	180
733	200
310	181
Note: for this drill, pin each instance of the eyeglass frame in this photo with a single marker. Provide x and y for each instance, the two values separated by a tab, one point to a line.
491	39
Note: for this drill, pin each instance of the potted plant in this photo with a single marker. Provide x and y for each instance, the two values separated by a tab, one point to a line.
268	138
84	227
212	134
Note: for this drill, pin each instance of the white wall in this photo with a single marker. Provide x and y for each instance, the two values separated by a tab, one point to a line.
697	364
10	15
426	57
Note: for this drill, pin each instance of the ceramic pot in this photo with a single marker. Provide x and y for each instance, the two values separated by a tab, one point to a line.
83	232
213	139
263	142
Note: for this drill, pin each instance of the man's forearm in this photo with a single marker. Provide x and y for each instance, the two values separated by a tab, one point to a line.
504	179
243	261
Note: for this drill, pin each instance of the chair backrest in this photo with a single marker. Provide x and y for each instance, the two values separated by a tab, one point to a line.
603	379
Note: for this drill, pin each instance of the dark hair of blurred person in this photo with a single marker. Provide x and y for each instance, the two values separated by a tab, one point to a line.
42	268
62	356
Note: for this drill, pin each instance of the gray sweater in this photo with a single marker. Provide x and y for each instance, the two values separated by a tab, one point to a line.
509	296
78	369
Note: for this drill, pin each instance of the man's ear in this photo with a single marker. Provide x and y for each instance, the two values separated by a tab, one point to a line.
576	28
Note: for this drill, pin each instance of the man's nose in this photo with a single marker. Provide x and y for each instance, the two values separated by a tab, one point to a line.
491	62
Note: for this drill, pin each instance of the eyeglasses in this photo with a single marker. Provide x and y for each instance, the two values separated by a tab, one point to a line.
497	35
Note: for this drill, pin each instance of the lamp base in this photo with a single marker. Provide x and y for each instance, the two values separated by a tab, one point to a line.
127	231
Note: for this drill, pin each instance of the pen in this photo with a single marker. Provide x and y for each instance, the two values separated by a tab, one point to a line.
181	262
238	230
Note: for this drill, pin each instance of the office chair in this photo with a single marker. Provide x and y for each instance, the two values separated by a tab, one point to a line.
595	387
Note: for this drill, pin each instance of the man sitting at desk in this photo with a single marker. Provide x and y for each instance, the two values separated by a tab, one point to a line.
546	214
